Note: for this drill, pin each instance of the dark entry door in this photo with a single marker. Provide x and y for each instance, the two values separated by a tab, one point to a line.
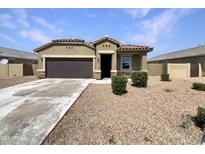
194	70
69	68
106	66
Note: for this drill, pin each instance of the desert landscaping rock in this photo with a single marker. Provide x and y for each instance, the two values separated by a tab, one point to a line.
141	116
11	81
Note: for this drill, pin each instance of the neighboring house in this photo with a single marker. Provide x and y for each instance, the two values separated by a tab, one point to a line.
75	58
194	56
16	56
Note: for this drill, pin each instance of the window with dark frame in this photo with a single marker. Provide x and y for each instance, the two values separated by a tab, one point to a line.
125	62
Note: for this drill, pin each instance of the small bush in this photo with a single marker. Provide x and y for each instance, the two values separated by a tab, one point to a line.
165	77
112	140
146	139
199	86
119	84
139	79
185	120
201	117
168	90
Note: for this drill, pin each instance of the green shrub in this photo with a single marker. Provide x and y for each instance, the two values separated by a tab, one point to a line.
199	86
165	77
185	120
201	117
119	84
139	79
168	90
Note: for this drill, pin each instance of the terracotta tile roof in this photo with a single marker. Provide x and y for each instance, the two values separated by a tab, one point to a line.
107	38
64	41
134	47
43	46
68	40
122	47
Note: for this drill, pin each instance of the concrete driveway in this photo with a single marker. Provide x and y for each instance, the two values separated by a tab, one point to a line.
28	112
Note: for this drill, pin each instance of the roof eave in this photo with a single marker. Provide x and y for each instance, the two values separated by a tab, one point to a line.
107	38
54	43
136	50
175	58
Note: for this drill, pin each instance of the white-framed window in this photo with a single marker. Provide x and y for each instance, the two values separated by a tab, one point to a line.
126	62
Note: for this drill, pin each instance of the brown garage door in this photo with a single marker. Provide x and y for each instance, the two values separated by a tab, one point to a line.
69	68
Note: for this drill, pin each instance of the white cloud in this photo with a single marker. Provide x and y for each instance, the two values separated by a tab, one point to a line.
47	25
19	15
22	17
138	13
8	38
6	21
162	25
35	35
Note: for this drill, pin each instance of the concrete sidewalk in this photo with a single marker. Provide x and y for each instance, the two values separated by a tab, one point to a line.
105	81
28	112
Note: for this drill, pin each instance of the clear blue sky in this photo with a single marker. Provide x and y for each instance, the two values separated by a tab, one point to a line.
165	29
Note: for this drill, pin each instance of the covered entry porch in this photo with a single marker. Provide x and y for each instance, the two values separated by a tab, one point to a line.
128	61
122	63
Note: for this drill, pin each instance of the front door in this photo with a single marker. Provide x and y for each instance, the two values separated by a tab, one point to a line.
106	66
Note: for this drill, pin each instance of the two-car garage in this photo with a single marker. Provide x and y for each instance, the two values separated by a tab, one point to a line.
69	67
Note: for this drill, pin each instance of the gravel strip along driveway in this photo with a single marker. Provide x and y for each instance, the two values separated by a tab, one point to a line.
11	81
149	115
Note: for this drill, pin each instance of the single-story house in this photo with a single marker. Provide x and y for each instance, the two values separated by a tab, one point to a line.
17	56
75	58
194	56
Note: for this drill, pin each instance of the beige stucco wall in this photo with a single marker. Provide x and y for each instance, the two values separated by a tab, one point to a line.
199	59
29	69
200	70
34	68
15	70
4	70
178	70
106	47
10	70
78	50
136	62
144	62
155	69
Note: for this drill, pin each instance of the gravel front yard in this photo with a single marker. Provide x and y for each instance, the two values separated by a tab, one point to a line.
149	115
11	81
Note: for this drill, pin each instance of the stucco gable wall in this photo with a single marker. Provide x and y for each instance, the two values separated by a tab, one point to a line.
106	46
80	50
65	50
99	46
